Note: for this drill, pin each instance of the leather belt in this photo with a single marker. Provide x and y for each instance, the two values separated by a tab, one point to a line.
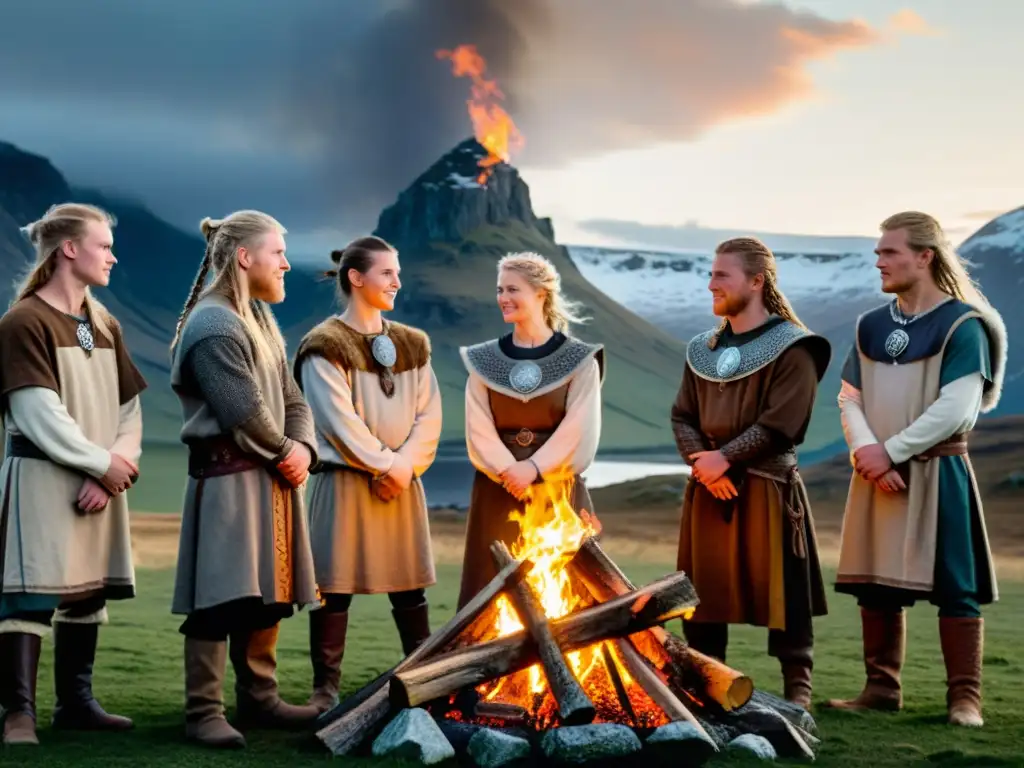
218	456
524	437
954	445
20	447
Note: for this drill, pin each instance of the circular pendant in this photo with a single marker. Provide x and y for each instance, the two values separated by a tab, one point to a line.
728	362
384	352
897	342
525	376
85	340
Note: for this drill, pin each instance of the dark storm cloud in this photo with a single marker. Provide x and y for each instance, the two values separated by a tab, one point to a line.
321	111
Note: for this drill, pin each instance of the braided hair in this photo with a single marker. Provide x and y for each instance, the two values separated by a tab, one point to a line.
757	259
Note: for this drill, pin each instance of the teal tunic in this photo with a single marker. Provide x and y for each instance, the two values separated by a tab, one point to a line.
962	578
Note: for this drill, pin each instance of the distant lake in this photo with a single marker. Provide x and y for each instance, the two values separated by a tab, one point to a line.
449	480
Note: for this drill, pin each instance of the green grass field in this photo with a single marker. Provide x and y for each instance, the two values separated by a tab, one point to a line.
139	674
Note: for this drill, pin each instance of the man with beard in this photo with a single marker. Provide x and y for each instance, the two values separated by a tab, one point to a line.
921	369
747	537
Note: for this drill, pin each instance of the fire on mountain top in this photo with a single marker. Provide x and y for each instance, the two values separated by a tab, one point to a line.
493	126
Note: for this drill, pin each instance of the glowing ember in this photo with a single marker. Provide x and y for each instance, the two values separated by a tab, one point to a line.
550	534
492	125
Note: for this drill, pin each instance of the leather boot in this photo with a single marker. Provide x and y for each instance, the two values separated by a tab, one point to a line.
74	653
19	667
327	633
413	626
885	637
796	681
259	705
205	666
962	648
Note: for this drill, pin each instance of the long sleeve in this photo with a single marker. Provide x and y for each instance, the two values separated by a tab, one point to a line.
298	418
855	424
330	399
686	418
128	442
572	446
487	452
420	448
956	406
222	372
39	414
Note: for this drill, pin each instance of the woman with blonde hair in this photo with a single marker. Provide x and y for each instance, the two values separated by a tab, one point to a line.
377	409
533	410
69	395
244	558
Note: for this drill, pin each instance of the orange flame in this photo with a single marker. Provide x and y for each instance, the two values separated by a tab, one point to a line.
493	126
550	532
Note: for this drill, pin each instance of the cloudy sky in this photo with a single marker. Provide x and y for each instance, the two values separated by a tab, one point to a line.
644	121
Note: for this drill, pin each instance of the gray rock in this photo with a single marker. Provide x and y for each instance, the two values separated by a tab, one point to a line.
579	744
493	749
413	735
759	745
679	743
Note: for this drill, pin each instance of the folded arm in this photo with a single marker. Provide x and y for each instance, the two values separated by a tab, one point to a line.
573	445
128	442
40	416
223	374
957	404
855	424
420	447
330	399
487	452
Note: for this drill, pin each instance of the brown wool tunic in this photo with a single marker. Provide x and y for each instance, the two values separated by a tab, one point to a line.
754	559
76	407
563	411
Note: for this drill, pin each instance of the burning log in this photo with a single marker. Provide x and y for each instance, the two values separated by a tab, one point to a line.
574	706
705	677
345	726
618	684
624	615
655	687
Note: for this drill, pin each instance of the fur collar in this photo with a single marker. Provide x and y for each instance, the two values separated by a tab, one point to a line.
346	347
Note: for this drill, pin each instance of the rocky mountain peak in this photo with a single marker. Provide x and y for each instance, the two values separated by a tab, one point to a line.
455	196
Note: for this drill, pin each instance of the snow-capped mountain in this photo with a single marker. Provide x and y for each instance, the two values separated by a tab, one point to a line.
670	288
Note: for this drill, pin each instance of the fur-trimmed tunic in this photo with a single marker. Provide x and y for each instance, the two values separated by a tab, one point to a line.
75	407
753	559
243	534
556	423
362	544
929	541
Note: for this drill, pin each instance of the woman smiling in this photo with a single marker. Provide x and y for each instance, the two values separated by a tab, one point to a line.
533	409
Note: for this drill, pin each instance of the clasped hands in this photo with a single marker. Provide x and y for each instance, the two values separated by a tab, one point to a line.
708	469
389	485
518	478
94	495
873	463
294	467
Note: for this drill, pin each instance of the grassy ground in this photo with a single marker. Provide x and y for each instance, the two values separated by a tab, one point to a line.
139	674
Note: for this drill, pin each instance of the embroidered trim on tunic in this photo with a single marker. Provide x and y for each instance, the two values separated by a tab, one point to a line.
282	509
753	355
496	368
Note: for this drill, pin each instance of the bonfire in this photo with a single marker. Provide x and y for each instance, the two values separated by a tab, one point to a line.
563	655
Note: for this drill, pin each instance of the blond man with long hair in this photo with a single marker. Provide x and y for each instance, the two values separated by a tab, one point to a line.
244	560
69	394
533	411
747	535
921	369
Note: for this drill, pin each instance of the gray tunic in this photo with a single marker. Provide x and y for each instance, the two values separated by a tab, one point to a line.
247	536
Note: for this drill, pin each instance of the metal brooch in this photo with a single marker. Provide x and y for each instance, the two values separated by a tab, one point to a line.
728	362
85	339
896	343
525	376
383	350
